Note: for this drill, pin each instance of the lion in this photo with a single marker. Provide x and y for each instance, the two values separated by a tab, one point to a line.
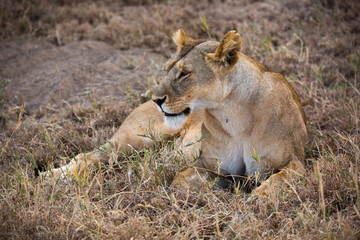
250	120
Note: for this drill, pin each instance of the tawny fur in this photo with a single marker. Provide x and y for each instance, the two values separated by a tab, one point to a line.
235	104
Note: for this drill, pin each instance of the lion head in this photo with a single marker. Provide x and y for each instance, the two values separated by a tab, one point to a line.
195	76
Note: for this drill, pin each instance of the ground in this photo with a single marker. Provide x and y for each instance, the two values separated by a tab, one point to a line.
71	71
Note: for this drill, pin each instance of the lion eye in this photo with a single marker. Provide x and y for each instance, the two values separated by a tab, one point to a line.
182	74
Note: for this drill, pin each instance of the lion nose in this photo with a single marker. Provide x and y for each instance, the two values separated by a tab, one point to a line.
159	101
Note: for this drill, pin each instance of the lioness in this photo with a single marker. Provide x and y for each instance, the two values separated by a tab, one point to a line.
250	119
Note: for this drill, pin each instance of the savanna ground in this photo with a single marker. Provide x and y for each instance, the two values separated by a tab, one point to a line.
71	71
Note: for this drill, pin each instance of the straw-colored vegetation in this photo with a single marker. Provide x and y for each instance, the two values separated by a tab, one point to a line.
314	44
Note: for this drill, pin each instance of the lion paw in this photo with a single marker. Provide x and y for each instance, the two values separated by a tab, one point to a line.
55	174
261	192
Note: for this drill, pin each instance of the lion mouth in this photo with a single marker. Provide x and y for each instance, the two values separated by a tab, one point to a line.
186	112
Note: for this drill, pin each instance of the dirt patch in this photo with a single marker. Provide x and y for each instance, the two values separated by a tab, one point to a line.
41	73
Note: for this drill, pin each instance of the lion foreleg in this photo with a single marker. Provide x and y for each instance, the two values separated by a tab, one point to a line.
292	170
192	178
197	176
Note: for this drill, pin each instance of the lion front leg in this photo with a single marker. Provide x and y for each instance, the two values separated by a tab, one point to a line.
197	176
293	169
191	178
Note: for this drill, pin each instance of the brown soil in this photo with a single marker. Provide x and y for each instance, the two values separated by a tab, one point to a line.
80	67
40	73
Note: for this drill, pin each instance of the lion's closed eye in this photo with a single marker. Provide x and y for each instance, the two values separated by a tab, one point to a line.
182	75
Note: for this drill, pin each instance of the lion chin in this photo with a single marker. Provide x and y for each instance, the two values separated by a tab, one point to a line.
176	120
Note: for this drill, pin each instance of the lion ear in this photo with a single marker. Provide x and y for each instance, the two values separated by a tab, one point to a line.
227	53
181	39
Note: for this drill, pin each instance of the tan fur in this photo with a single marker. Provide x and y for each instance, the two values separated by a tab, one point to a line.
227	53
181	39
241	109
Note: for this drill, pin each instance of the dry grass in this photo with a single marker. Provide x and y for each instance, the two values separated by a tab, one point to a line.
315	45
